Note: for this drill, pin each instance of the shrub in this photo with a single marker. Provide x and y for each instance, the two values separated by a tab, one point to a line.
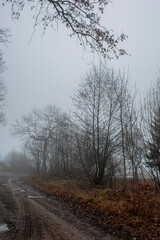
143	202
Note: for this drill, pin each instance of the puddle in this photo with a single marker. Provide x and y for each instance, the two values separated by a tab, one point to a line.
5	185
19	189
22	190
3	228
34	197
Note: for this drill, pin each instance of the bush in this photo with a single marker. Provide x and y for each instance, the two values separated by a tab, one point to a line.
143	202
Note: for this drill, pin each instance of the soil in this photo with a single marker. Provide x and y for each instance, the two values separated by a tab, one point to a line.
26	213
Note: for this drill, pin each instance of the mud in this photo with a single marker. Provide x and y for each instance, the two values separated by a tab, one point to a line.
26	214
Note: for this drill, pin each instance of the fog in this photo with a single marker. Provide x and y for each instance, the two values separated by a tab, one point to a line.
46	68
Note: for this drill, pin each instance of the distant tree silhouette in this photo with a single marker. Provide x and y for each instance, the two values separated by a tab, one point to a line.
153	130
4	35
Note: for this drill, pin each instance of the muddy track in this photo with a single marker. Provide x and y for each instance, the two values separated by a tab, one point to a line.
30	215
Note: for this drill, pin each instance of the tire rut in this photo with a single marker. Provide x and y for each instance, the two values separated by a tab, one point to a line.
42	218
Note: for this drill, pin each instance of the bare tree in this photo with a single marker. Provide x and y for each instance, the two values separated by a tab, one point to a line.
122	95
152	136
61	150
48	140
134	139
127	117
3	92
4	35
38	127
18	162
80	16
34	150
96	121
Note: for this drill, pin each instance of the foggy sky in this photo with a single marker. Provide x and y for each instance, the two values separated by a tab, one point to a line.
47	69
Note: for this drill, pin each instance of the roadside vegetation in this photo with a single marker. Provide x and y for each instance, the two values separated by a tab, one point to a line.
131	212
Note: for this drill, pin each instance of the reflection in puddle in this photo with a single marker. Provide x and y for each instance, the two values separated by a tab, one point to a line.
34	196
4	228
19	189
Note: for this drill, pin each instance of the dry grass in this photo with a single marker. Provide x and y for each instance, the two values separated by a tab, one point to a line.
139	208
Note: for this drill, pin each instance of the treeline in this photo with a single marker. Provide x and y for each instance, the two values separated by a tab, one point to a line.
107	136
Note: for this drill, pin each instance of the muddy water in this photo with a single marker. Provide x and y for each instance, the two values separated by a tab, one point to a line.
34	197
3	228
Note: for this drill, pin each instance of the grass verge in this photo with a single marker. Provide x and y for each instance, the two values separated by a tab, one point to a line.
135	214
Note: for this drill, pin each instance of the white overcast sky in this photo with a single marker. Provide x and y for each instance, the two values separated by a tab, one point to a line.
49	68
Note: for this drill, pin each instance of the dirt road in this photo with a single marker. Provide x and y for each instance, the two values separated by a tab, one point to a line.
27	214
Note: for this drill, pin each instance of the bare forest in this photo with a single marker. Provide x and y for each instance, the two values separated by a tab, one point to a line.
108	136
105	152
93	171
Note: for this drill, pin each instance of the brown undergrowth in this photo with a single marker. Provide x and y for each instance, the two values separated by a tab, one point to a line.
136	212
